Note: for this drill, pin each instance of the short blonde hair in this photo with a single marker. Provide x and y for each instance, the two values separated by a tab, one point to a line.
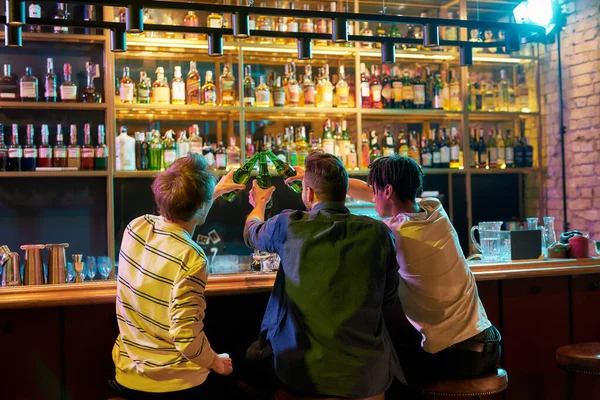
183	188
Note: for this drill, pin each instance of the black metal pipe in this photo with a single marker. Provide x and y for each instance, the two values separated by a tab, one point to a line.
563	133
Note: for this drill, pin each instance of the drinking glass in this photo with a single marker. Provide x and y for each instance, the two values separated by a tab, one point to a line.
549	232
71	274
532	223
104	266
89	270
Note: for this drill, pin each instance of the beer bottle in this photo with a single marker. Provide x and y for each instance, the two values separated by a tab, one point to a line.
241	176
285	170
263	180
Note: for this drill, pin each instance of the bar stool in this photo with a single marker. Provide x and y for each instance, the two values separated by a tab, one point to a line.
581	358
477	388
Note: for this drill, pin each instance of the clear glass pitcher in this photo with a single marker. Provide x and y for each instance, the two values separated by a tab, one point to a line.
493	241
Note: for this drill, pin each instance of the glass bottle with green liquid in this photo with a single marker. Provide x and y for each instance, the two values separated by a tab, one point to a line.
156	152
242	175
263	180
285	170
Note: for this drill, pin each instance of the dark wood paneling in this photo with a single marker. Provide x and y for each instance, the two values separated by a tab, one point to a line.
535	324
30	367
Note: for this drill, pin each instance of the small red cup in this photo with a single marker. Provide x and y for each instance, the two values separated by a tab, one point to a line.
580	247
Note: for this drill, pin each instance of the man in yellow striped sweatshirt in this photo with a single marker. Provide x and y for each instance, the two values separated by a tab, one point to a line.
162	350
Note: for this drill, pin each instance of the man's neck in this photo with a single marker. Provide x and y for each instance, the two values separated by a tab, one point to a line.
187	226
404	207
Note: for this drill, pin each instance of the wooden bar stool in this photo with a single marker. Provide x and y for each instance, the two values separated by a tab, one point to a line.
477	387
582	358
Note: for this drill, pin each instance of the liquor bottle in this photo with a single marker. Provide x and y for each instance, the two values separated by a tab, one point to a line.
169	149
455	149
436	152
214	20
476	97
489	101
492	150
250	149
160	88
264	23
89	15
351	158
221	157
9	85
402	147
397	89
249	95
263	179
455	100
489	37
509	150
307	24
3	150
242	175
191	19
293	88
501	150
44	151
35	11
183	145
365	30
195	140
326	95
15	152
278	94
407	92
126	88
87	150
28	85
124	151
410	34
101	151
290	147
473	149
227	95
414	150
209	90
143	89
482	153
337	142
418	90
327	139
528	153
208	151
365	87
262	93
374	149
438	95
386	88
308	87
60	150
68	89
503	92
178	92
388	147
156	152
233	154
30	154
375	88
429	88
426	152
522	91
90	95
451	31
280	25
444	150
61	14
73	151
301	146
365	156
193	85
345	144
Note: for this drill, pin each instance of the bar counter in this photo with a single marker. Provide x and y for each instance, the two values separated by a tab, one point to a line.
244	283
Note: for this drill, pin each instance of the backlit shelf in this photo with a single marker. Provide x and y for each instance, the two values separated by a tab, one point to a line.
54	174
152	174
492	171
296	113
41	105
410	113
69	38
173	112
499	115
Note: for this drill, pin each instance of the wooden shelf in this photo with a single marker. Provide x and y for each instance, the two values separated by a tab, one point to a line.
500	115
70	38
41	105
173	112
492	171
410	113
54	174
152	174
296	113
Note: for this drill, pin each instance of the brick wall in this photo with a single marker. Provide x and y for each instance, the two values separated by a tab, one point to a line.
580	42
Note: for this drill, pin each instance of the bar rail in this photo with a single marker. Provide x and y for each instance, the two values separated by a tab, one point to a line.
104	292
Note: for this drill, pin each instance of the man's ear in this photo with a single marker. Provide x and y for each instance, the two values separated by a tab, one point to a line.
388	191
310	194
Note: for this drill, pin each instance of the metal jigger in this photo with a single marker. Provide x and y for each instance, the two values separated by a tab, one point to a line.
78	267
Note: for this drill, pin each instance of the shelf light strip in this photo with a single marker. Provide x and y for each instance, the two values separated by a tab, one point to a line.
497	59
413	56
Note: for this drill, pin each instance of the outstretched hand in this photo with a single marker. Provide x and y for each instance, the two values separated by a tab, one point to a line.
226	185
298	177
259	195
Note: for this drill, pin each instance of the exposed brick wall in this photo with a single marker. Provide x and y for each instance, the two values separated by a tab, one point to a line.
580	42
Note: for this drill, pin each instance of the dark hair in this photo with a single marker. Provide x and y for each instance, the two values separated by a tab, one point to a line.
402	173
326	175
183	188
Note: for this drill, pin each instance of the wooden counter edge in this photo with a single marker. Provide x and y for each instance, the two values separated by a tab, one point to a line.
220	285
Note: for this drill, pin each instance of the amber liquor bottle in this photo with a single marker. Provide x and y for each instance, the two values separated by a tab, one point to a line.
87	150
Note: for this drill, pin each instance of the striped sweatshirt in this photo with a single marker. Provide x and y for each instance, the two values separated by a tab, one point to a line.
160	308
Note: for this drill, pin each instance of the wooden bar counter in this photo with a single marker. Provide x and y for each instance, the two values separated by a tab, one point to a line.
57	339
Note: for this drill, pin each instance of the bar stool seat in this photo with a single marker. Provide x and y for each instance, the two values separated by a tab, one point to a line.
483	385
581	358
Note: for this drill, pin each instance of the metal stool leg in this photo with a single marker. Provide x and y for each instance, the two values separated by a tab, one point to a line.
570	387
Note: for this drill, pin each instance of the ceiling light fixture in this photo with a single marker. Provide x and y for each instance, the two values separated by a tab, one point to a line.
15	12
13	36
304	49
118	40
134	19
215	44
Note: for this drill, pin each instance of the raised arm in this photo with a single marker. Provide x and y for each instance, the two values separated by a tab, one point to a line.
359	190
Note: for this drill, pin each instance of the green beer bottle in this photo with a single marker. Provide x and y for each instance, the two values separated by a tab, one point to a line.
285	170
263	180
241	176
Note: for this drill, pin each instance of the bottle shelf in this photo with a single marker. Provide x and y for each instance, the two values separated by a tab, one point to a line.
173	112
410	113
295	113
152	174
499	115
440	56
54	174
70	38
41	105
